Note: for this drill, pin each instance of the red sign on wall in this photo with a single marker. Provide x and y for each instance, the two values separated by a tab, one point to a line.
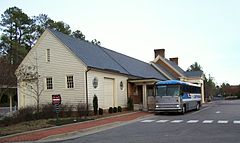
56	99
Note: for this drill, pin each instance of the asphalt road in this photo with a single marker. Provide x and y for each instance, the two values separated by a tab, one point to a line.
219	122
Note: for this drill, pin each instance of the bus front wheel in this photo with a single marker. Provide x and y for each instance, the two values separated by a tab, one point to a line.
183	109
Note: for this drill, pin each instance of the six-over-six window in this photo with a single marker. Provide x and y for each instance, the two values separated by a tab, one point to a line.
49	83
70	83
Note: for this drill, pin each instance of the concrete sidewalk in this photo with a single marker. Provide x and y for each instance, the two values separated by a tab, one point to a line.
51	133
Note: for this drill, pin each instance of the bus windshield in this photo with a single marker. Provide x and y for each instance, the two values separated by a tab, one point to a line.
168	90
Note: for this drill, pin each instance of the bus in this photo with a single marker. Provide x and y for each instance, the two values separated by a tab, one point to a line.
177	96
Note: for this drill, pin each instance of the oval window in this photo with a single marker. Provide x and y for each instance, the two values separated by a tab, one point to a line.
121	85
95	82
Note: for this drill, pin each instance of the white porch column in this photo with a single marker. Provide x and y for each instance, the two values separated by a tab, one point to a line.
145	108
10	98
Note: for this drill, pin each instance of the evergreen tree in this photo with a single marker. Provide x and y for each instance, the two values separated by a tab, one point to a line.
16	39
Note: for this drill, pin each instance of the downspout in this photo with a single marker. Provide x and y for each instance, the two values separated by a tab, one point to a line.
88	69
127	89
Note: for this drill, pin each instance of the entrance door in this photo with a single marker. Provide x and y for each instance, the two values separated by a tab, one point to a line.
140	93
108	93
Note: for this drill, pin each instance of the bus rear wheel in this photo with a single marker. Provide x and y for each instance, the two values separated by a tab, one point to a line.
198	106
183	109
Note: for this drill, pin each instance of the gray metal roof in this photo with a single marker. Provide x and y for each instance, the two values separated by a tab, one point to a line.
166	71
194	73
135	67
95	56
175	66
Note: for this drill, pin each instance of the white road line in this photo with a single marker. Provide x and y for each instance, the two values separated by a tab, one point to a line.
236	122
176	121
218	112
147	121
192	121
207	121
222	121
162	121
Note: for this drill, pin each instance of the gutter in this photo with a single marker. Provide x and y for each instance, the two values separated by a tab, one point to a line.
88	69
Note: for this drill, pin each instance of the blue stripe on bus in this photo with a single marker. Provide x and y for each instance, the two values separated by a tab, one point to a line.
176	82
191	96
171	82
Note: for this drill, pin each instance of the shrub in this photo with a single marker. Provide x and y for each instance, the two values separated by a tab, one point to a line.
23	114
114	109
66	110
100	111
69	111
238	95
130	104
26	114
110	110
47	111
82	109
95	104
119	109
6	121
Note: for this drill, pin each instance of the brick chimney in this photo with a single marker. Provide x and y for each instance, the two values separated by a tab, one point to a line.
175	60
160	52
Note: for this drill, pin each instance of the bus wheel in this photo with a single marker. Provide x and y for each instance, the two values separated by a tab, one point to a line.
183	109
197	107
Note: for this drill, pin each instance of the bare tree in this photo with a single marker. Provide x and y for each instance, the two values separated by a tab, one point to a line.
28	77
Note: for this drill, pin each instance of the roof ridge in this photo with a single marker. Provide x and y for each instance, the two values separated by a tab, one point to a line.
102	48
86	41
125	55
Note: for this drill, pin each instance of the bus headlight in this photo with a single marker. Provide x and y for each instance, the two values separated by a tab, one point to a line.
157	106
178	106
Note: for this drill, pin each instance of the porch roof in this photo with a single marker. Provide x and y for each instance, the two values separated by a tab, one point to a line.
151	80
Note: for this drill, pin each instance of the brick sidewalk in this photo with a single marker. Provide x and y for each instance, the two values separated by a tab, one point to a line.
38	135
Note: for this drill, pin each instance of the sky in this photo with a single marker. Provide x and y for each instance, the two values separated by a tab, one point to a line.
202	31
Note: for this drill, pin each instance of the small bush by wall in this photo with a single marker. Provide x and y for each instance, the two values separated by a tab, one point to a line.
110	110
100	111
119	109
114	109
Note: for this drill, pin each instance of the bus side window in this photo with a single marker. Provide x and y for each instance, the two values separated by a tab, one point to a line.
185	88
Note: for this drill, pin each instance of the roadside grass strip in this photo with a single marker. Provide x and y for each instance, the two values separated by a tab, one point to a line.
147	121
162	121
192	121
236	122
176	121
207	121
222	122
